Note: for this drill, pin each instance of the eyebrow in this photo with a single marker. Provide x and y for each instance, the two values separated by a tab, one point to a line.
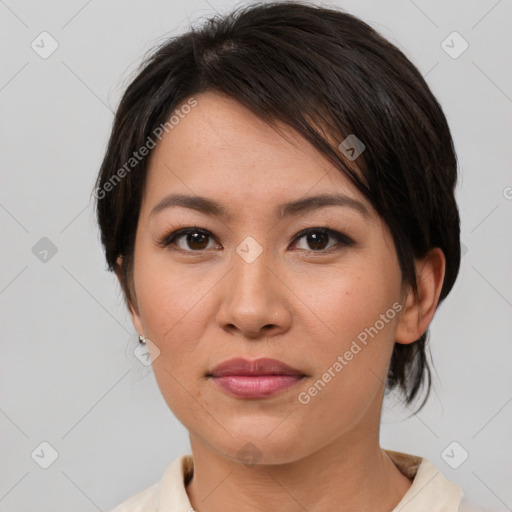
306	204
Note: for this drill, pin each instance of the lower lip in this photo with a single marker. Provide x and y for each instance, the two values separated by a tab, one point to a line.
256	386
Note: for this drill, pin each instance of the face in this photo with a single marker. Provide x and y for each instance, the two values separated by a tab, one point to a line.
245	280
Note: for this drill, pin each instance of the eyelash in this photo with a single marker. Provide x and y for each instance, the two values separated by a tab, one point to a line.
171	237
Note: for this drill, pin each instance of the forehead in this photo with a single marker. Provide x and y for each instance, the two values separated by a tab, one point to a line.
220	147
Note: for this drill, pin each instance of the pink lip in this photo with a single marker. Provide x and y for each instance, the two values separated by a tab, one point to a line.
254	379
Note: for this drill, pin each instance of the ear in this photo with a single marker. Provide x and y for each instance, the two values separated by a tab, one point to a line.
130	304
419	308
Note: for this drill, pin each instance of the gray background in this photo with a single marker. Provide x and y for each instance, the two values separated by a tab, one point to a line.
68	373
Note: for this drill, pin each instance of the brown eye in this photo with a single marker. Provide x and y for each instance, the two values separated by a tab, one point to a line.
317	239
187	239
196	240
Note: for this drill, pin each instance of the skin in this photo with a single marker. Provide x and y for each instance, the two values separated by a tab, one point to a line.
297	303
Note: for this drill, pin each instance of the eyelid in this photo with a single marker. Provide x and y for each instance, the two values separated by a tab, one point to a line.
169	238
339	236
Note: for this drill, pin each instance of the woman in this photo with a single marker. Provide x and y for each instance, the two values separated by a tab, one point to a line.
277	201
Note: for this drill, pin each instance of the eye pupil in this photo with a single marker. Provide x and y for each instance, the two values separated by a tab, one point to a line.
196	237
313	240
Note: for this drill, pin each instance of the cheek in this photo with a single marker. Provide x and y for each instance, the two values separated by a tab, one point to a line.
170	299
360	307
348	302
172	308
351	362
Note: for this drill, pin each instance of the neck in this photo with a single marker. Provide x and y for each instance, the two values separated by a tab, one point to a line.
348	474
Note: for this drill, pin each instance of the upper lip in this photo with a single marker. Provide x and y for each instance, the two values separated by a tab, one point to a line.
262	366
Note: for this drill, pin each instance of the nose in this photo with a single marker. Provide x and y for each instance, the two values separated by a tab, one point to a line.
255	302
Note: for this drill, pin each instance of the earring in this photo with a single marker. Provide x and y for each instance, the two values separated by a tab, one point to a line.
142	339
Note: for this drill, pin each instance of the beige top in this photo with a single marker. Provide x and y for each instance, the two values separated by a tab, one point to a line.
430	490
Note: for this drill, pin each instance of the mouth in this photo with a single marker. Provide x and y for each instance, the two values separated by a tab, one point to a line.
259	378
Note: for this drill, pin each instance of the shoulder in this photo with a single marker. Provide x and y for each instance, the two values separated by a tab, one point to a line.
168	494
143	501
430	491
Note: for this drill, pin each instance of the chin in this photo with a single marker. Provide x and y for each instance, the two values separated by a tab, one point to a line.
256	444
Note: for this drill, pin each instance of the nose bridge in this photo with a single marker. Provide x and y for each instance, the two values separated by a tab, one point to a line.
252	301
252	281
